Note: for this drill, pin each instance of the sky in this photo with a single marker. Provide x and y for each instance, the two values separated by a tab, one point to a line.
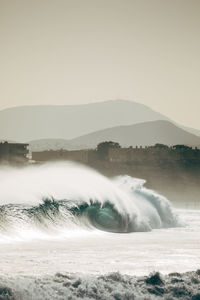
85	51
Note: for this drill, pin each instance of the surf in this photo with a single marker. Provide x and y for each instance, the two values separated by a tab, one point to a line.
50	199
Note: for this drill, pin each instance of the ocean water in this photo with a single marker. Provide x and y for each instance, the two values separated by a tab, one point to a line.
98	252
68	218
67	232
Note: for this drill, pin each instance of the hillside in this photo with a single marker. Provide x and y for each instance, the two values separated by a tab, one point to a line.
28	123
143	134
191	130
50	144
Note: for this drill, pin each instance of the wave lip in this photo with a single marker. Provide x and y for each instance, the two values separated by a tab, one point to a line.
60	197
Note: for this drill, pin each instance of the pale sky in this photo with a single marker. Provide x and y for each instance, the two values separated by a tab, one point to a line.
84	51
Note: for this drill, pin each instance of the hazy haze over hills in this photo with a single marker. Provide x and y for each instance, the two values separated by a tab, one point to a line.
84	126
28	123
51	144
143	134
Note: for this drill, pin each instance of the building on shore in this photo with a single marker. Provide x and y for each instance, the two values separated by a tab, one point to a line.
81	156
13	153
152	155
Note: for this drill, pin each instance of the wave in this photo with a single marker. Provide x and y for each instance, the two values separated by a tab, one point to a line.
58	198
105	286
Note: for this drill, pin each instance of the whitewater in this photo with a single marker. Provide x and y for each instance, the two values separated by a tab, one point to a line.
67	198
60	222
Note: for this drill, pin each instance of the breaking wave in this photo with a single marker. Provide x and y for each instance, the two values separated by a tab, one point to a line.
55	199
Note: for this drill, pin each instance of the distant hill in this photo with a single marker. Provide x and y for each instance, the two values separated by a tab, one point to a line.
28	123
50	144
192	130
143	134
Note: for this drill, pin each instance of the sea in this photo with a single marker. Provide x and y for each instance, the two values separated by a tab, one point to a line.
65	218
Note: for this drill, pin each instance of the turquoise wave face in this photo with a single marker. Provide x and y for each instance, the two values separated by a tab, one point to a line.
104	218
52	213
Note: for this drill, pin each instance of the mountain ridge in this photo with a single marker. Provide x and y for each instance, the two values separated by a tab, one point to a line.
27	123
142	134
34	122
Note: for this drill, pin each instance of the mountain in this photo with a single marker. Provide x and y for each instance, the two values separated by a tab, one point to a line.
191	130
143	134
51	144
28	123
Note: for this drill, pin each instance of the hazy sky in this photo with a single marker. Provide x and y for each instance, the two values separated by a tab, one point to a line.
82	51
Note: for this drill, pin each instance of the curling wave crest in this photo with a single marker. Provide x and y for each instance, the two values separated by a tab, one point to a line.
55	199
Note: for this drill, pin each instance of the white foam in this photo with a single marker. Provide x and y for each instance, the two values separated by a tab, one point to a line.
80	184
